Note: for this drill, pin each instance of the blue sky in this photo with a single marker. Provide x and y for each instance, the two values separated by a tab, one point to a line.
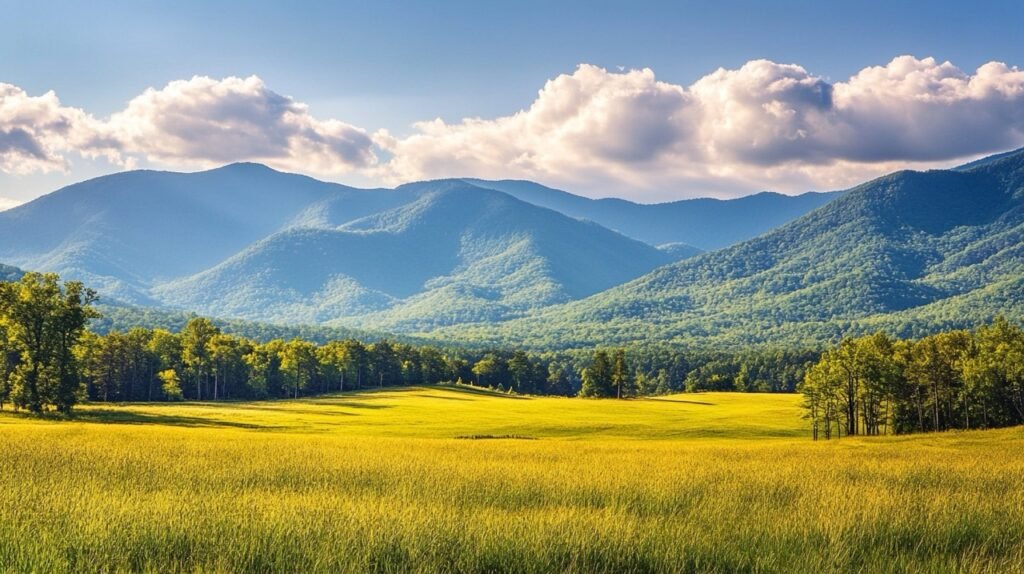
386	65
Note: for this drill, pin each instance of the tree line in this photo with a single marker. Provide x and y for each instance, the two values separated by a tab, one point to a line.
50	359
877	385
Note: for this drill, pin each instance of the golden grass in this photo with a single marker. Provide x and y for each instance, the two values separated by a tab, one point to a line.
378	481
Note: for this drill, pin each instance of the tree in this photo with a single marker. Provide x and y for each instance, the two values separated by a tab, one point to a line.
597	378
106	365
195	341
170	385
822	388
166	350
45	321
225	353
384	362
522	372
299	365
621	379
491	370
433	366
8	360
335	362
264	369
954	379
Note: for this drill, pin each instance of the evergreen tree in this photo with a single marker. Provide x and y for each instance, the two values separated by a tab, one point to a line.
597	378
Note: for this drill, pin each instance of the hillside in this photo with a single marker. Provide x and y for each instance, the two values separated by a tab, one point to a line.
453	253
704	223
909	252
124	233
245	241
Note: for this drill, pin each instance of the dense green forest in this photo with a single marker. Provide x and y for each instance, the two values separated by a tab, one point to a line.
911	253
953	380
49	359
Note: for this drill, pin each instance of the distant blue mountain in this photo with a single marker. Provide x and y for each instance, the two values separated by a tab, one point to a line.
911	253
124	233
453	253
245	241
704	223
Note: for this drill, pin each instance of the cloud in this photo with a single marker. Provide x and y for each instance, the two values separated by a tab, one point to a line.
199	122
7	203
36	132
764	125
204	121
591	121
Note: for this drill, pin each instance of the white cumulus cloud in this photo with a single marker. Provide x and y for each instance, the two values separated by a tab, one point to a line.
36	132
764	125
206	121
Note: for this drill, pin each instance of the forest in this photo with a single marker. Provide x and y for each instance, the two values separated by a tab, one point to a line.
51	359
877	385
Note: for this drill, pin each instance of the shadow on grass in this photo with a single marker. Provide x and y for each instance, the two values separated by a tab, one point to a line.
685	401
135	417
105	416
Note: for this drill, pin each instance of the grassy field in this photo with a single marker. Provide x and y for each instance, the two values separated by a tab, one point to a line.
420	480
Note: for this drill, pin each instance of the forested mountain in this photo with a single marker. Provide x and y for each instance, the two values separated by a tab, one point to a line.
910	252
470	260
246	241
125	232
455	253
706	224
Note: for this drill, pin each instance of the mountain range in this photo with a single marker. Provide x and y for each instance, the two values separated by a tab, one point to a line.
514	261
911	253
704	223
245	241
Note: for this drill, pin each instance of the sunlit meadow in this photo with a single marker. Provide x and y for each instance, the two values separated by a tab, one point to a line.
456	480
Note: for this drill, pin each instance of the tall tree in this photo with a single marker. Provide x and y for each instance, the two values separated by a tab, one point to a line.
195	346
597	378
299	365
384	363
45	321
620	374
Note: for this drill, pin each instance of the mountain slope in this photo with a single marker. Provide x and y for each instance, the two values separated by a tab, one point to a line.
451	253
124	232
908	251
703	223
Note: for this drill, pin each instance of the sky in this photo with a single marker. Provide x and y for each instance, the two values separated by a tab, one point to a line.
650	101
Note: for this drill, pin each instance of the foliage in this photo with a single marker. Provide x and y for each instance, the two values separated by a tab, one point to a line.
42	322
953	380
910	254
170	385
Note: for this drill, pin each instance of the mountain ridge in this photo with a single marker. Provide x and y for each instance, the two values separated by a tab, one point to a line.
138	235
918	246
705	223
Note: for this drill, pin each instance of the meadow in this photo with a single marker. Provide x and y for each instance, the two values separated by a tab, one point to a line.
445	479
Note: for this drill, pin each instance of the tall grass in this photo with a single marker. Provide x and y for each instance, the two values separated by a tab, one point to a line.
378	482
